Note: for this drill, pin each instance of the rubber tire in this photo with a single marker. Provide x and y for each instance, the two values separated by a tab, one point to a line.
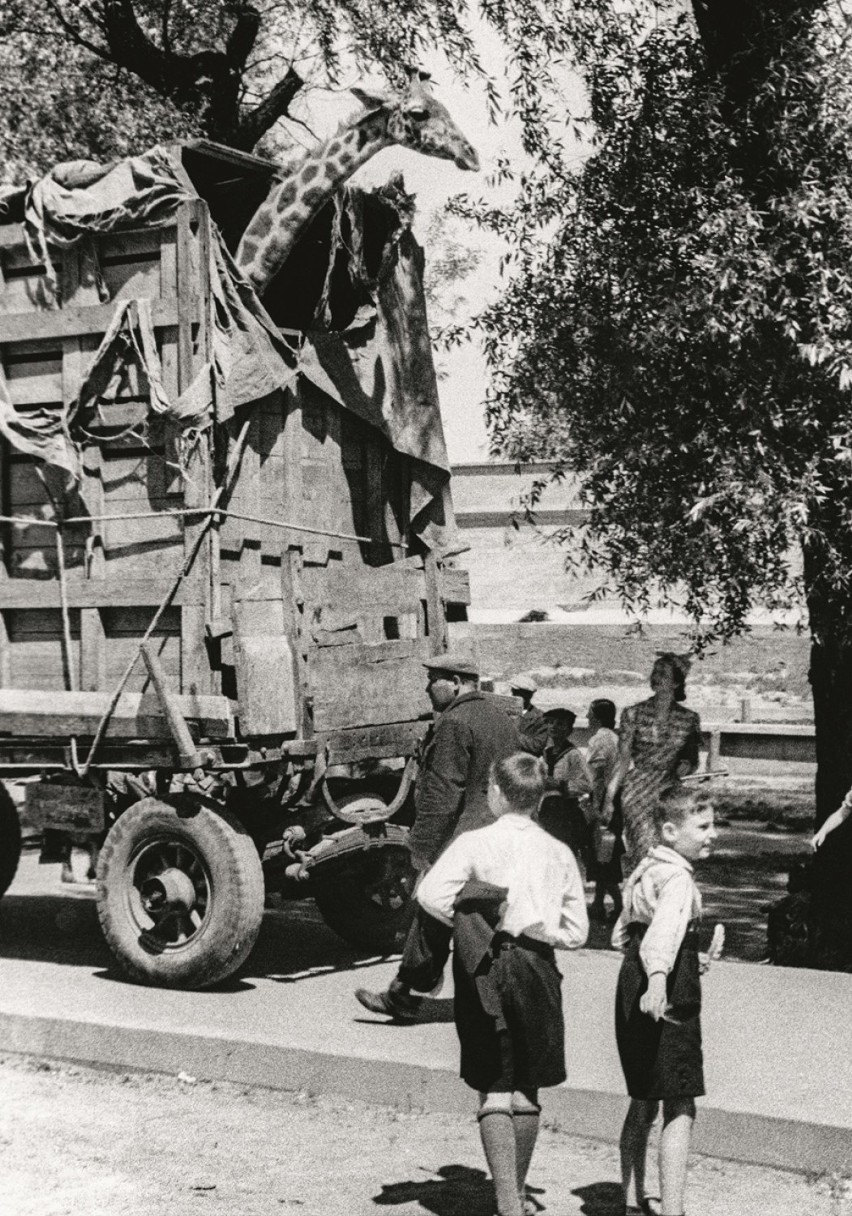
235	907
10	840
346	907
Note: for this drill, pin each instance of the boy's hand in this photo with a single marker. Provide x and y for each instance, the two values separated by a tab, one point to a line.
717	945
654	1001
818	838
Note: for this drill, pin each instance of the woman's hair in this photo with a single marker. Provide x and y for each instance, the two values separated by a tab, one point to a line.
604	711
521	779
666	660
676	803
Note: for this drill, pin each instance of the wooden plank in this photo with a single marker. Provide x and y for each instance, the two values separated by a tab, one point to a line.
12	235
133	280
266	670
93	660
5	654
26	294
437	621
246	500
70	322
31	593
293	603
119	247
454	584
360	688
391	589
28	712
193	308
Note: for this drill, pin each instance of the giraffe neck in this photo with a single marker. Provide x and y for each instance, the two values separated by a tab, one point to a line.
279	221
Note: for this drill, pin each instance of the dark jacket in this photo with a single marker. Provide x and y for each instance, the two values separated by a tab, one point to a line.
451	795
532	727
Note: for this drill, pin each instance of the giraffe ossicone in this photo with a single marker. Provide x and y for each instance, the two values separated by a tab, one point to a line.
412	119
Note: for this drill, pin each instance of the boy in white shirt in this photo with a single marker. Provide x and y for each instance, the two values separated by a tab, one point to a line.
514	893
658	1000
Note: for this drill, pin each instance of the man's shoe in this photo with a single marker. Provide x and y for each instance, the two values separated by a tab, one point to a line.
400	1006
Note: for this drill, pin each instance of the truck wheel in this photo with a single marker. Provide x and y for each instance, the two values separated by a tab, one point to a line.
10	839
369	904
180	897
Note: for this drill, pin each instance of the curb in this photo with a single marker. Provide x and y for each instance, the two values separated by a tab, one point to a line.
595	1114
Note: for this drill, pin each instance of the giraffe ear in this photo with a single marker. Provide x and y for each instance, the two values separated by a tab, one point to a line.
372	100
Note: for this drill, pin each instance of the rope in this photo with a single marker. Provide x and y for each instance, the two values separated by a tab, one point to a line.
213	512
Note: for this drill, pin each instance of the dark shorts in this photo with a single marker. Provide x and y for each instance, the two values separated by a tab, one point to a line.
661	1059
523	1047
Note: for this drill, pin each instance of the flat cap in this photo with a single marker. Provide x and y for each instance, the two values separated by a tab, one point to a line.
559	708
524	683
453	664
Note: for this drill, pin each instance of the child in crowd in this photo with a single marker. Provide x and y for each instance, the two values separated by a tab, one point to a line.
569	784
658	1001
607	847
512	893
834	821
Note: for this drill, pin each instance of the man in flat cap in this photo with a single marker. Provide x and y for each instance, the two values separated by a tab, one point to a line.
569	784
451	796
532	726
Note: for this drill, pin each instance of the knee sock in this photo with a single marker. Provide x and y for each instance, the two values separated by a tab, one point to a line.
526	1134
497	1130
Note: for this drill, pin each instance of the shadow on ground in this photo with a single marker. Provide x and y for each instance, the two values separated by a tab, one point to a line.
600	1199
42	920
458	1190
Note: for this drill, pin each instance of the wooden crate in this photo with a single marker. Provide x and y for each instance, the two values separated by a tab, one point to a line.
307	628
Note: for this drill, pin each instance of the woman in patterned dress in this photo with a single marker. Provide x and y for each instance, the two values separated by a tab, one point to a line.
659	743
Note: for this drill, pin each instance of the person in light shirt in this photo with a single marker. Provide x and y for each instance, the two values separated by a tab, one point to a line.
514	894
658	999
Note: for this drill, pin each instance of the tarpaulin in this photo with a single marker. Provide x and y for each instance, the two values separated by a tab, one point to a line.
381	369
41	432
79	197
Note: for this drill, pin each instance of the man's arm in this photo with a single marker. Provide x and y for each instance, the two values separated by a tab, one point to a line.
440	886
532	735
439	796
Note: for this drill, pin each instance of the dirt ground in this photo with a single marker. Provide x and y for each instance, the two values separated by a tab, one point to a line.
80	1142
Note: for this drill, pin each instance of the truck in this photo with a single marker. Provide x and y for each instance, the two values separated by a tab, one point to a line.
227	547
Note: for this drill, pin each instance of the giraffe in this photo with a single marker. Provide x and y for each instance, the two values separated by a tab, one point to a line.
413	119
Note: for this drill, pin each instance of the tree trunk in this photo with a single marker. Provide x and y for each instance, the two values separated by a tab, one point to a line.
830	912
812	926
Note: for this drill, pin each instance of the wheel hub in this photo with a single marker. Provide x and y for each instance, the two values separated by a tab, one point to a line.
171	890
168	893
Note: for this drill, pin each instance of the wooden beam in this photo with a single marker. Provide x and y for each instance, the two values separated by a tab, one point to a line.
193	350
107	593
40	326
27	712
177	724
435	605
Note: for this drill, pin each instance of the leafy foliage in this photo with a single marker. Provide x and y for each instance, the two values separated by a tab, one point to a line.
678	327
231	69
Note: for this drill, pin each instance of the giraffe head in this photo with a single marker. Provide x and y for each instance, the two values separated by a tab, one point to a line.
415	119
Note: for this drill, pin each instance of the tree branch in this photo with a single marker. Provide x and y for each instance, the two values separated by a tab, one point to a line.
275	105
243	36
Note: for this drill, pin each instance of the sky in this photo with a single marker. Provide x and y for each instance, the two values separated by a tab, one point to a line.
463	373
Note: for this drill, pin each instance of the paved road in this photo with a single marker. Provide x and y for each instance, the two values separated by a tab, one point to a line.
779	1073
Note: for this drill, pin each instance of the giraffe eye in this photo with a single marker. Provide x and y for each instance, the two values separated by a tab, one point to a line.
417	112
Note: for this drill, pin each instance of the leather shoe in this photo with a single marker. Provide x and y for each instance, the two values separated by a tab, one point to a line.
400	1006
